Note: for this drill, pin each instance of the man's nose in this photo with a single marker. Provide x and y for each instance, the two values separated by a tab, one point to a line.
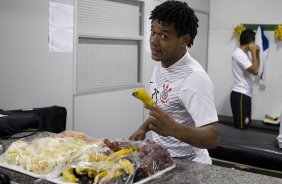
154	40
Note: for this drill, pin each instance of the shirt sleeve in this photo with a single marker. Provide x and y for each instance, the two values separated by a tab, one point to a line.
197	96
243	60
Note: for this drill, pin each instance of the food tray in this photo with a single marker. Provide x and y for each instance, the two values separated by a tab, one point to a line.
59	180
150	158
21	170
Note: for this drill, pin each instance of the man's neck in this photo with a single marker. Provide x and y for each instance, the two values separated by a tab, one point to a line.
244	48
169	63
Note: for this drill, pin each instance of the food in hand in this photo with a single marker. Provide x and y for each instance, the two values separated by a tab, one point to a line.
142	95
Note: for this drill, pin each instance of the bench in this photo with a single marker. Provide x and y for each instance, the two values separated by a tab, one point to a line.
256	146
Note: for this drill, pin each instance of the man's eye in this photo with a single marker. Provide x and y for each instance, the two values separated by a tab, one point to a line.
163	36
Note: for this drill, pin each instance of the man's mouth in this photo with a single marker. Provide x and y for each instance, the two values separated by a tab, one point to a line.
155	51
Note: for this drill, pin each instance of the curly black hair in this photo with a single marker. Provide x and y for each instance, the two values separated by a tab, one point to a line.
179	13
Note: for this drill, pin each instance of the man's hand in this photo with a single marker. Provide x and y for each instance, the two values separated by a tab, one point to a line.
257	48
253	47
139	135
162	123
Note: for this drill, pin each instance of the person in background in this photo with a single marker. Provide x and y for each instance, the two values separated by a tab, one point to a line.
245	64
185	120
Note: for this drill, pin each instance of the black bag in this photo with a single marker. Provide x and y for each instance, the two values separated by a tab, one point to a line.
11	123
52	119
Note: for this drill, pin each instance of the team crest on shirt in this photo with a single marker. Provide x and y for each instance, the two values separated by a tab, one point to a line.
164	96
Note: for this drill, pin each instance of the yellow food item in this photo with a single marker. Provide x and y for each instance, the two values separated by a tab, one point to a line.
82	171
91	173
14	151
135	148
119	153
106	176
42	165
142	95
123	152
100	175
69	176
127	166
96	157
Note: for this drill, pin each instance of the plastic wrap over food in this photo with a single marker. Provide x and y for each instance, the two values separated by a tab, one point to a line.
82	159
148	157
108	170
44	155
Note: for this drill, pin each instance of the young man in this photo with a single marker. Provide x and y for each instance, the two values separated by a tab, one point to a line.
185	121
244	67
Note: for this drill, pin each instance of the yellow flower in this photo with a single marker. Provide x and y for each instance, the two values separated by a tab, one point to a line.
278	32
239	29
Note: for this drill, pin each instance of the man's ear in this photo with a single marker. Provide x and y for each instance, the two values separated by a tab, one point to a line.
186	39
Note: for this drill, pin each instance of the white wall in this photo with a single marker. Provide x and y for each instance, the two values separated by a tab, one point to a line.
30	76
224	16
115	114
199	5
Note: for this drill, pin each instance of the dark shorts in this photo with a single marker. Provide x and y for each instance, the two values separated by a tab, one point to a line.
241	106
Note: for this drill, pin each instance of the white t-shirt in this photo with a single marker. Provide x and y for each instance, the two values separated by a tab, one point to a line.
185	91
243	80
